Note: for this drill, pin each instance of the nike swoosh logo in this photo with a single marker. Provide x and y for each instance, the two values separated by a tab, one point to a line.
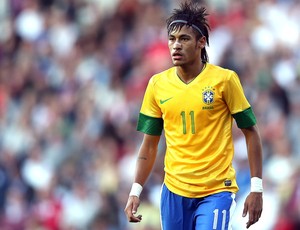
163	101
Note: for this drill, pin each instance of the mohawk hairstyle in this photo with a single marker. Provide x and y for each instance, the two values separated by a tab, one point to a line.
192	15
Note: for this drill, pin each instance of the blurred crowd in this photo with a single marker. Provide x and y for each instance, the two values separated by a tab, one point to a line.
72	77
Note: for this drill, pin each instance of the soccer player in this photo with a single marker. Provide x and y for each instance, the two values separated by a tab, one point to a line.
195	103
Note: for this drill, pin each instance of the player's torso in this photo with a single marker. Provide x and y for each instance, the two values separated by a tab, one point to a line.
190	109
197	125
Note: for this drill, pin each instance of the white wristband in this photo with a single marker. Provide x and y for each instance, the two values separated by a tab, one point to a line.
136	190
256	184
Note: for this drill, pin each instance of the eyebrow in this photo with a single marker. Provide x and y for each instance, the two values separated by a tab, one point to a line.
181	35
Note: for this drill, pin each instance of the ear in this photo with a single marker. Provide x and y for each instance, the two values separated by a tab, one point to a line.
202	42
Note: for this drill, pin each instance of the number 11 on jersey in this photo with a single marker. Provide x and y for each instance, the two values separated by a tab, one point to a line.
184	121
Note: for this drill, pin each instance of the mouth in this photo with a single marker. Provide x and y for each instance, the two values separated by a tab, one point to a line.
177	56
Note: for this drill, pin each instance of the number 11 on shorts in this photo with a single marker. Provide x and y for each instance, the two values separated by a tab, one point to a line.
216	215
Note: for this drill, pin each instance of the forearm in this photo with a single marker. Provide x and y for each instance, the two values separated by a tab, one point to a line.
144	165
146	158
254	148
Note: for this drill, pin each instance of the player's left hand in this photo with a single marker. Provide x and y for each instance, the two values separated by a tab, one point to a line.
253	206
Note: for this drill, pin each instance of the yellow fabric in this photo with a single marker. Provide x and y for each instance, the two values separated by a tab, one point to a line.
197	123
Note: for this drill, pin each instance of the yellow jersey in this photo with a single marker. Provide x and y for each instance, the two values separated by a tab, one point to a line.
197	120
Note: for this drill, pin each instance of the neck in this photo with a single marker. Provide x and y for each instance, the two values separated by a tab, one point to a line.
188	73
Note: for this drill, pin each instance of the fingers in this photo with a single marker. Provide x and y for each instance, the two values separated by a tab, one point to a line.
134	208
253	207
245	210
135	219
253	218
131	209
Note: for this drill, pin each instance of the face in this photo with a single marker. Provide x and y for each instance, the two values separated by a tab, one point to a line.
184	47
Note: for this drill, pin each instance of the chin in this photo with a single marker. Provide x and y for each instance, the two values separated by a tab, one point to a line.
177	63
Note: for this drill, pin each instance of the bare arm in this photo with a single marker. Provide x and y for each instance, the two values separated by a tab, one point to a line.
144	165
254	148
146	158
253	204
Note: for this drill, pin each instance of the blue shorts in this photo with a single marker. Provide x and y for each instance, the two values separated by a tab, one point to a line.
213	212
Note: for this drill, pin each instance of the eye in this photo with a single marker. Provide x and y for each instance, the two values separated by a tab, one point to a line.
185	39
171	39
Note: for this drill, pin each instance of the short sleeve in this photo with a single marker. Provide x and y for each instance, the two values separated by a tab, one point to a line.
234	95
150	119
237	102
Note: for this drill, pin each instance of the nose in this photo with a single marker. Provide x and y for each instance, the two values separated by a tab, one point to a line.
177	45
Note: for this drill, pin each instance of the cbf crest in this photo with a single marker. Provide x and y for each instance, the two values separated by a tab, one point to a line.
208	95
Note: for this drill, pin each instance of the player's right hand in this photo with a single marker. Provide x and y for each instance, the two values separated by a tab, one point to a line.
131	209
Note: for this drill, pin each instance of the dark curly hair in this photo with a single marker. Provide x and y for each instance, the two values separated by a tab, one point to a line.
191	14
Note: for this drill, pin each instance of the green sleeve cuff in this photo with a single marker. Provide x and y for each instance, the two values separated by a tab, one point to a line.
150	125
245	119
